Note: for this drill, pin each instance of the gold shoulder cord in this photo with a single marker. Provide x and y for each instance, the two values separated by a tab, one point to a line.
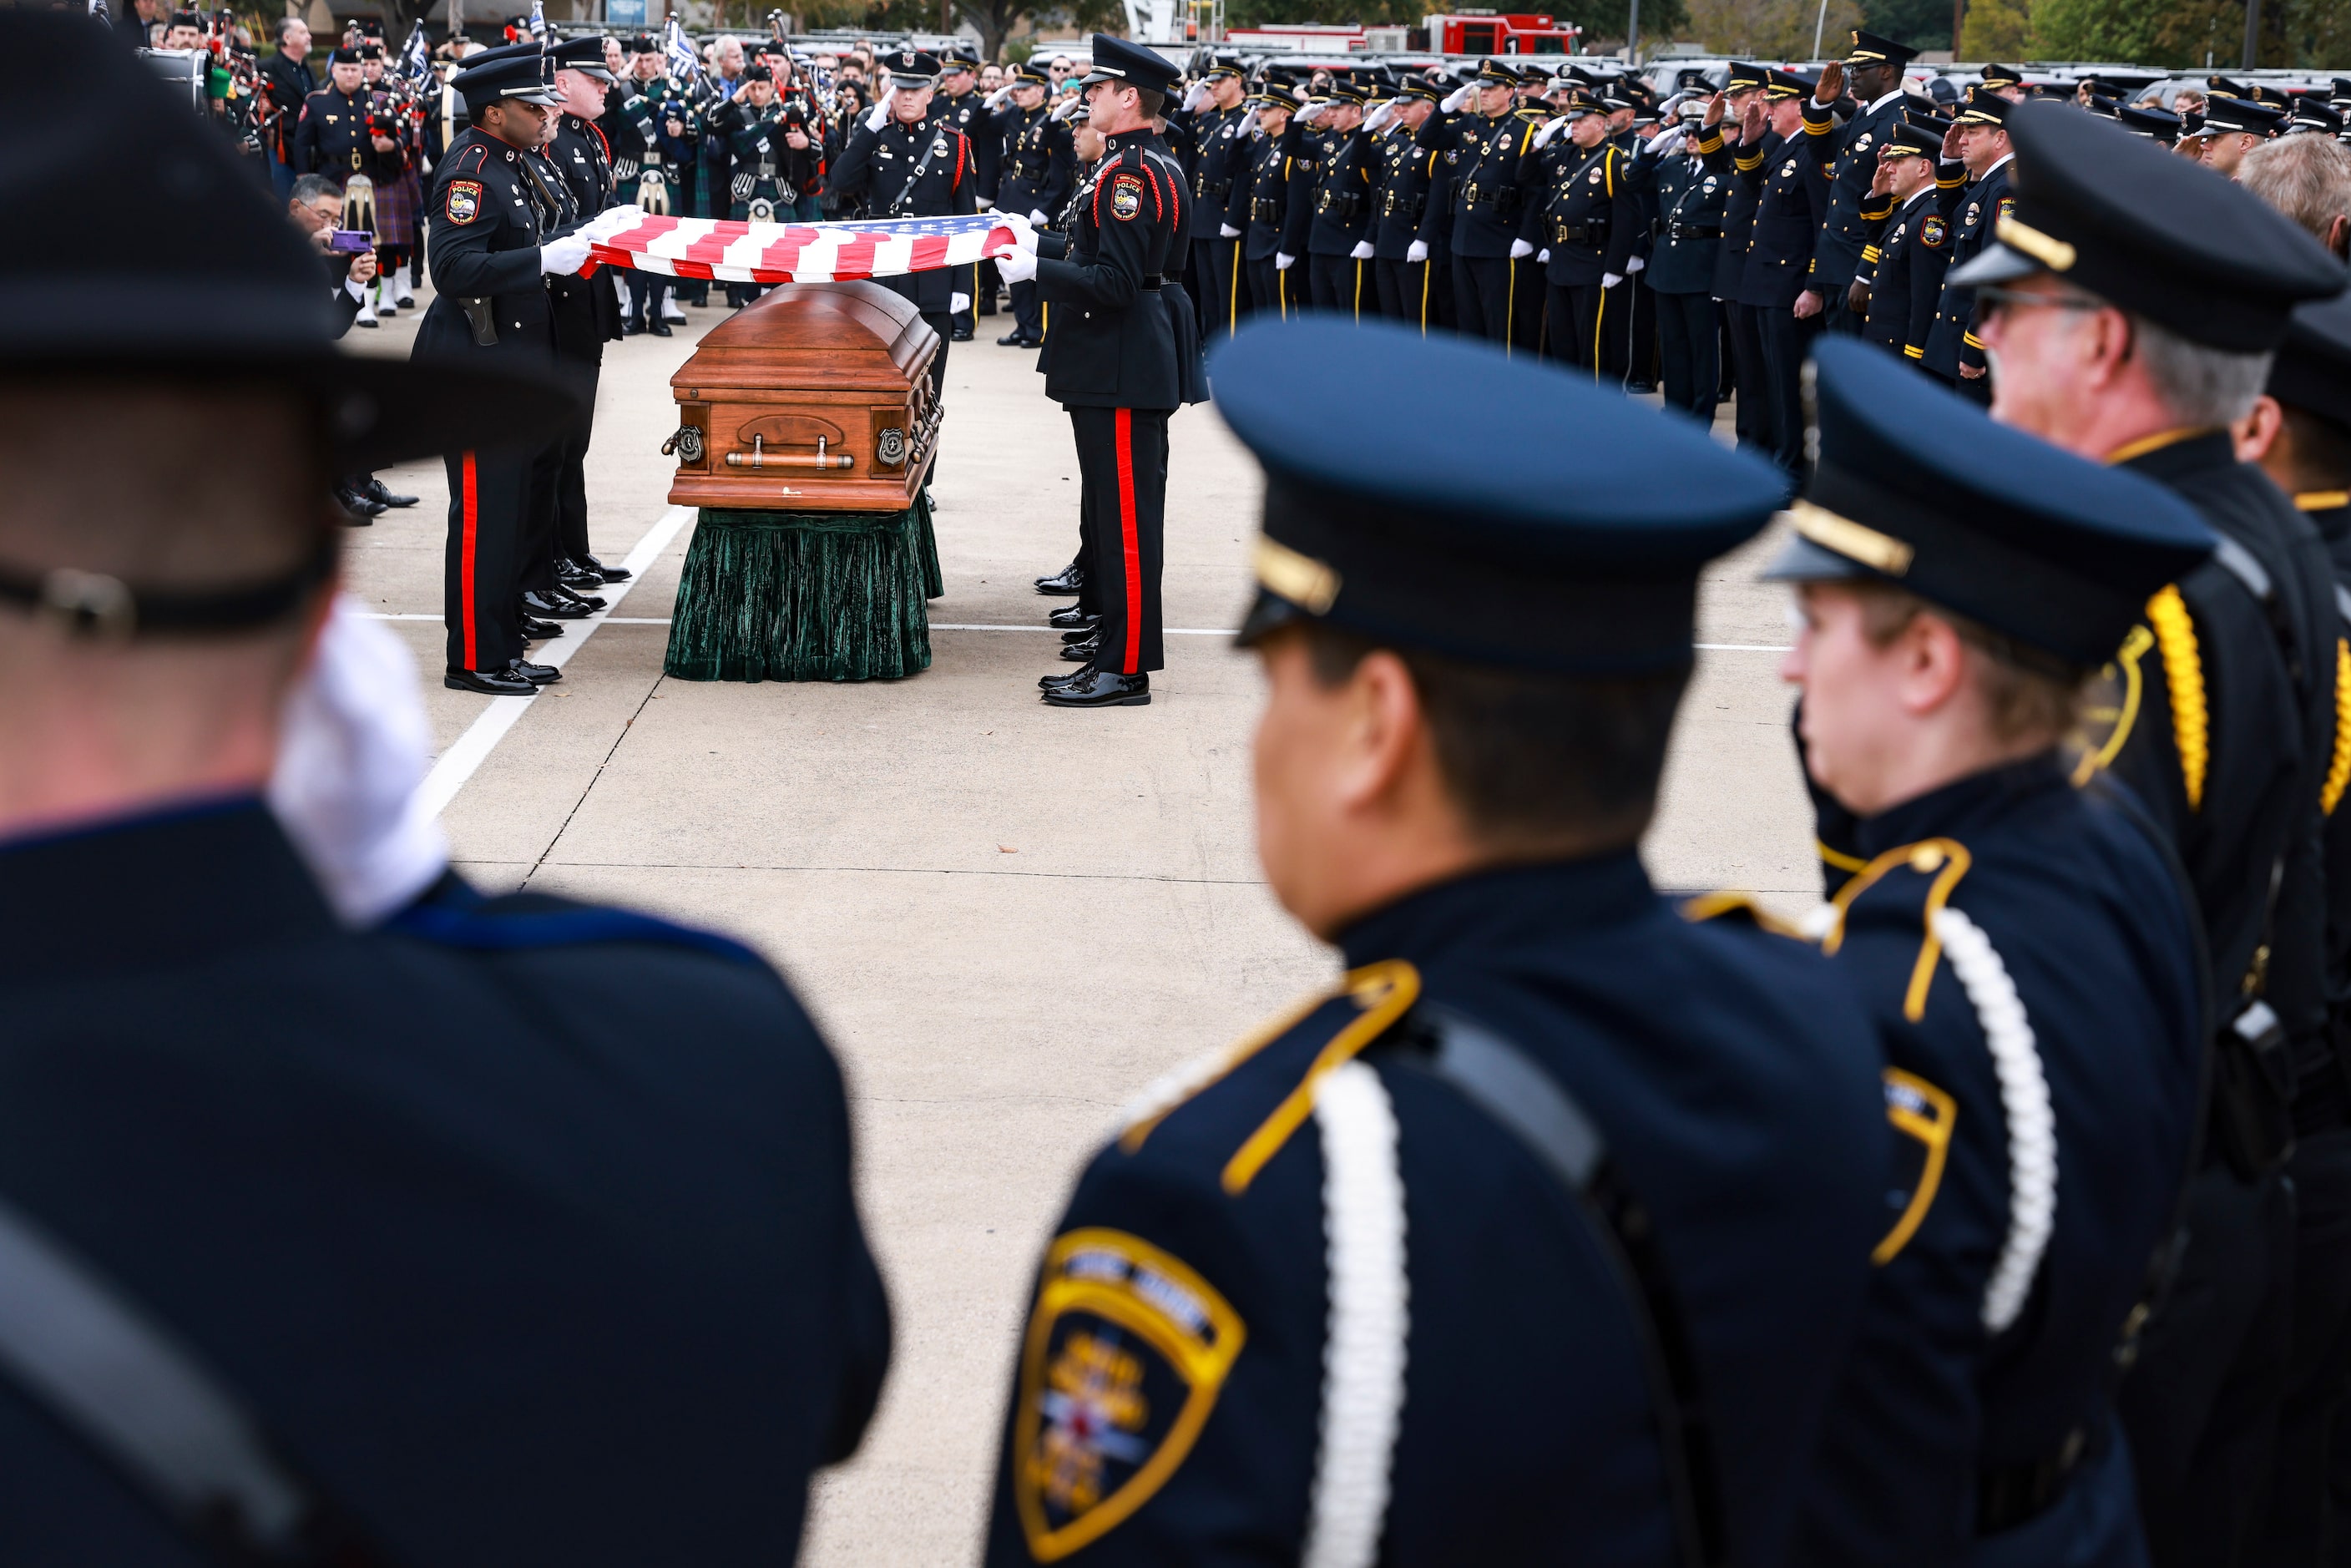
2192	729
2338	771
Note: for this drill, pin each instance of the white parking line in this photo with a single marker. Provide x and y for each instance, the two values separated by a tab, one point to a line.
481	737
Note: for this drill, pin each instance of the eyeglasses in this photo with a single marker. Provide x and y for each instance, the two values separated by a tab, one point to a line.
1996	299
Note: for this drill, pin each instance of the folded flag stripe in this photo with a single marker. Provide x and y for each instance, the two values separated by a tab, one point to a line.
742	252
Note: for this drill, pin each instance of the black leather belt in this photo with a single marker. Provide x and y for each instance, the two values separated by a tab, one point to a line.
1694	231
1580	234
2012	1494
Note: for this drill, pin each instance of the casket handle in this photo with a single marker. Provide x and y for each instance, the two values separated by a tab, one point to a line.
760	457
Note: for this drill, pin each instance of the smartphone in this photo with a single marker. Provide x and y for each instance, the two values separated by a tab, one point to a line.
350	242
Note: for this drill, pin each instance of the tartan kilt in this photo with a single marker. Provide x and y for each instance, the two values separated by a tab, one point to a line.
397	203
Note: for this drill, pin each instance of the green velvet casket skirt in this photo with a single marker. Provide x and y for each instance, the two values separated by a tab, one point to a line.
806	596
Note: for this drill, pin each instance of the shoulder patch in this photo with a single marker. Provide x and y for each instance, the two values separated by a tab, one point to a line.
1923	1114
1124	1355
1126	197
1932	233
463	203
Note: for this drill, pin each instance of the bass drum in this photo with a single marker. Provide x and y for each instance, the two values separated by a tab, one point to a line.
187	71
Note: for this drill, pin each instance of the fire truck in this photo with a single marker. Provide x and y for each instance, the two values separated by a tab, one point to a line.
1494	33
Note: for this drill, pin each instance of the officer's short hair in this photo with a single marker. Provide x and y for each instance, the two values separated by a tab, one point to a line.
2027	693
1155	103
2306	177
2201	386
1526	754
309	188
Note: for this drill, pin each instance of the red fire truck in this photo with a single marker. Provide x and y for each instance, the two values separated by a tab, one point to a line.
1494	33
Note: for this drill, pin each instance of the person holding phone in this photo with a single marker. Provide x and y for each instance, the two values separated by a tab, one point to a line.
316	208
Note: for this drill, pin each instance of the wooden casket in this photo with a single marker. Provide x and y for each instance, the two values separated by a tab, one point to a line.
814	398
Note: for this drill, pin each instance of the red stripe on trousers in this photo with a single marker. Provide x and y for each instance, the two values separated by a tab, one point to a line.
1125	439
466	564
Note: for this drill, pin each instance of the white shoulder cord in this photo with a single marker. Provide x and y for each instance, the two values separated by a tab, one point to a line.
1363	1349
2024	1097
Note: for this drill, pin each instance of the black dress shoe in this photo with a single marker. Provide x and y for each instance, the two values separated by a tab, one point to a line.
629	326
1100	689
363	507
1013	339
489	683
574	575
1083	653
588	602
1082	634
660	328
540	630
548	607
537	675
609	573
960	335
377	491
1069	579
1073	615
1640	389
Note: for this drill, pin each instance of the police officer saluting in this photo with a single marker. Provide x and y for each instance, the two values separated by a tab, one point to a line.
497	237
1873	69
1689	195
1114	362
2028	949
1586	225
1492	197
2134	303
1538	1236
1404	218
1219	158
1900	275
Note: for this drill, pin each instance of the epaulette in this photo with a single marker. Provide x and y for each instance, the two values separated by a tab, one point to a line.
1365	1004
1740	908
1945	860
523	923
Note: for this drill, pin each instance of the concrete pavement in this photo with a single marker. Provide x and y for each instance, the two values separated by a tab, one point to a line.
1006	918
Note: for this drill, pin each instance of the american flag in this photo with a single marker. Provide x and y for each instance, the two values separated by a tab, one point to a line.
736	252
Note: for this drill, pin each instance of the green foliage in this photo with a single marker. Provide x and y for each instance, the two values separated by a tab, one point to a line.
1766	29
1997	30
1921	24
1606	22
2128	30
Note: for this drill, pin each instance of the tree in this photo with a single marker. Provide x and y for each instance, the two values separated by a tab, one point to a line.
1921	24
1770	29
997	20
1997	30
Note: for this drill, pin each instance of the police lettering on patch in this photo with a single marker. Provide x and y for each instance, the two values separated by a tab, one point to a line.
1122	1360
464	201
1126	197
1931	233
2007	205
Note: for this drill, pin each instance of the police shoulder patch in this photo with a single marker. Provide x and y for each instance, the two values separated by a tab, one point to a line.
1931	232
2007	205
1126	197
1125	1354
1923	1114
463	203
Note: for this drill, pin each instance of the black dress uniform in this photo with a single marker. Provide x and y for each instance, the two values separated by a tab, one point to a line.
1333	1295
1903	265
1493	206
1791	199
966	113
2310	1491
1691	194
587	317
2030	953
2229	747
1752	416
1975	213
491	213
1336	221
1039	174
332	139
1586	225
1853	166
1274	180
1219	148
1114	362
1403	221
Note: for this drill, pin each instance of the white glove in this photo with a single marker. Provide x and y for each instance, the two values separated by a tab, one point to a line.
1314	111
1544	255
1382	117
995	99
1634	265
1549	130
562	255
1417	251
1036	216
1017	266
1459	97
879	115
624	217
1227	231
1520	249
1611	279
1248	123
1281	262
1192	99
1666	145
958	303
354	749
986	205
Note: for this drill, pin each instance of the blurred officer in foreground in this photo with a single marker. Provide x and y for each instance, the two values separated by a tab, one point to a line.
2134	302
2028	949
2300	433
517	1232
1540	1235
1115	361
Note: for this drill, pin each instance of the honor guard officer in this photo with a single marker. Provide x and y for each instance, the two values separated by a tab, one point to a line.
1792	198
587	313
905	165
1873	69
1220	160
1040	172
1402	217
1690	193
958	107
1742	153
1331	230
2134	303
1491	202
1276	178
426	1242
1979	140
2300	433
1667	1132
1586	225
1900	278
2029	949
493	244
1114	362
